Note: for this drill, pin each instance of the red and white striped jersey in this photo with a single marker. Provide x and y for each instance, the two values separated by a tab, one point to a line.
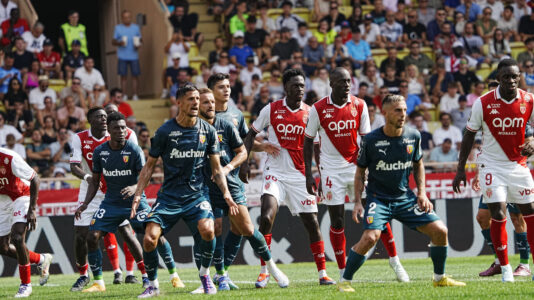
15	175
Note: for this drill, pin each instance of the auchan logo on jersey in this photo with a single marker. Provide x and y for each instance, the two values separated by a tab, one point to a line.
342	125
508	122
116	172
290	129
175	153
399	165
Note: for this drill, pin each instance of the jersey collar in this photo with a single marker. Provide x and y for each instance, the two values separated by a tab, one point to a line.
498	96
301	105
91	135
329	101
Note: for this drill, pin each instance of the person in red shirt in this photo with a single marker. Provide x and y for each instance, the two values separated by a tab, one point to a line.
13	27
50	60
124	107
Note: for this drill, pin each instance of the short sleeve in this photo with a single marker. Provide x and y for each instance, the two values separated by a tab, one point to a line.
313	123
97	161
213	142
140	158
21	169
15	133
365	123
474	123
263	120
418	151
363	160
157	143
76	155
234	140
116	35
133	137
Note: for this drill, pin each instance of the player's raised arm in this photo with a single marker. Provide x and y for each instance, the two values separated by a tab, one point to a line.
220	179
465	149
311	187
94	185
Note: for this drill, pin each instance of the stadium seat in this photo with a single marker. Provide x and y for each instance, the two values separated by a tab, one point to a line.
484	71
57	84
346	10
367	9
429	52
266	76
379	55
196	62
433	125
517	47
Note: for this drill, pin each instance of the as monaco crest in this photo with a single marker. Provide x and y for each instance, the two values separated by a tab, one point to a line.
489	192
522	108
329	196
409	149
267	185
2	170
354	111
125	158
202	138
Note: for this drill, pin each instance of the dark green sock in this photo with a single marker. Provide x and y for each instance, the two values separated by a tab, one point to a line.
354	262
439	257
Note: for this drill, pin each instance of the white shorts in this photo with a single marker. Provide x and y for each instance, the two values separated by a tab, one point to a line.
337	184
290	192
506	185
12	212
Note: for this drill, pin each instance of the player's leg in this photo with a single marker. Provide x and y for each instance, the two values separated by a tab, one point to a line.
520	234
165	251
269	209
153	231
206	230
112	250
135	249
80	254
18	238
337	234
130	263
484	220
499	237
95	261
528	215
394	262
42	261
218	254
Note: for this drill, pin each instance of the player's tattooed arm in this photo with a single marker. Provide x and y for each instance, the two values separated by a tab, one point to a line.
465	149
419	176
249	142
359	185
94	185
142	182
34	194
311	187
220	179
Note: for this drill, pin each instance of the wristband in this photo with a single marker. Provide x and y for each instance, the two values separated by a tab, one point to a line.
86	176
230	166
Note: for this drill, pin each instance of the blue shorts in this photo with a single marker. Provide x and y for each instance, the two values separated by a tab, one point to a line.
166	215
512	207
108	217
134	67
380	211
220	208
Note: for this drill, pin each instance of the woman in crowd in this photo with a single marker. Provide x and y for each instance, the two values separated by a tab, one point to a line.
30	79
15	94
276	88
48	131
499	47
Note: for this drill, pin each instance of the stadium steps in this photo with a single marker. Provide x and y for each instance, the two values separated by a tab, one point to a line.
151	111
206	25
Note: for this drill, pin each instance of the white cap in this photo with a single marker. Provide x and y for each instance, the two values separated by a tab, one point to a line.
457	44
175	55
239	33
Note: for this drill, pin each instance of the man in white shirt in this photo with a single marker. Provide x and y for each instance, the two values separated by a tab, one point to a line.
35	38
376	119
447	131
302	35
5	9
287	19
6	130
38	94
246	73
449	101
89	75
496	8
12	145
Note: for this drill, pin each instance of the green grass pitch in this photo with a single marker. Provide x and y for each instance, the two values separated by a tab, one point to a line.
375	280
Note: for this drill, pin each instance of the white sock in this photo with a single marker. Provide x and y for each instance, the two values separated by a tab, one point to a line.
145	275
204	271
154	283
322	274
173	275
438	277
129	273
341	272
525	265
41	259
100	282
270	264
497	262
394	260
264	270
117	271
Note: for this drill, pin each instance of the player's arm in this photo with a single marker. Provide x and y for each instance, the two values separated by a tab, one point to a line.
465	148
144	179
249	142
34	194
94	185
359	185
219	177
419	176
239	158
311	187
265	147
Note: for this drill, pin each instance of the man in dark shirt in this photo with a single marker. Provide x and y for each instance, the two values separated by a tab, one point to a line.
23	58
465	78
254	37
187	23
334	18
417	121
526	26
392	61
73	59
285	47
414	31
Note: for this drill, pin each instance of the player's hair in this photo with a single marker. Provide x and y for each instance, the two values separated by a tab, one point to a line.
390	99
93	110
364	84
213	79
442	114
509	62
205	91
493	84
290	73
184	90
114	117
114	91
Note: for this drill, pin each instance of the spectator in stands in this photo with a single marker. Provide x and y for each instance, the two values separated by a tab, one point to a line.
413	101
521	8
182	80
12	145
143	138
5	9
380	95
314	56
61	150
73	30
378	13
48	111
89	76
416	82
421	60
73	60
321	84
426	137
356	18
6	73
444	41
251	90
285	48
239	52
336	52
497	8
6	129
238	21
31	78
302	35
236	88
439	82
78	94
461	115
38	94
486	25
254	37
223	65
246	73
472	43
20	118
452	63
464	77
35	38
362	93
50	61
287	19
15	94
391	81
334	17
459	23
444	154
38	154
376	119
12	28
123	106
219	48
275	86
392	31
527	80
371	32
177	44
325	34
499	48
449	100
127	36
393	61
508	24
434	28
321	8
23	58
470	10
201	80
528	54
48	130
477	91
70	113
425	13
170	76
261	101
359	50
414	31
373	80
264	21
447	131
186	23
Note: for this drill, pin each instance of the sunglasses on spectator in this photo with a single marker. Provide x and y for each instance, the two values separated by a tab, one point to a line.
297	56
403	86
442	14
333	7
224	56
529	66
412	17
76	83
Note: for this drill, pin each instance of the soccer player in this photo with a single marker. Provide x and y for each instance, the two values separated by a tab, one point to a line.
502	115
119	161
284	180
233	154
389	195
164	247
340	119
19	189
81	162
223	256
185	144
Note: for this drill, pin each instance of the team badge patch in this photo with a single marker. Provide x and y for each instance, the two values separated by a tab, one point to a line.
523	108
202	138
125	158
267	185
489	192
370	219
329	196
235	121
93	221
409	149
220	137
6	160
354	112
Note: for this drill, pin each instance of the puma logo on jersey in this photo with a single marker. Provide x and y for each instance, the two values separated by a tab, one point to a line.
105	159
175	140
399	165
382	151
494	112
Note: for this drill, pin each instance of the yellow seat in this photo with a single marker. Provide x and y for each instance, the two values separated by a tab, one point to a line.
266	76
379	55
193	50
517	47
367	9
346	10
483	73
57	84
196	62
429	52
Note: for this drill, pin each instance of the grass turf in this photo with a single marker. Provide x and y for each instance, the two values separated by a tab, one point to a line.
375	280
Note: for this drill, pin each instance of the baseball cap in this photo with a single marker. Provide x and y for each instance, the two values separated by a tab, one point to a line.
250	59
345	24
43	78
239	34
457	44
175	55
47	42
76	43
368	17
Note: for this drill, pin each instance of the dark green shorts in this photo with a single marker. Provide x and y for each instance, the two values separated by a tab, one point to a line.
108	217
512	207
220	208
